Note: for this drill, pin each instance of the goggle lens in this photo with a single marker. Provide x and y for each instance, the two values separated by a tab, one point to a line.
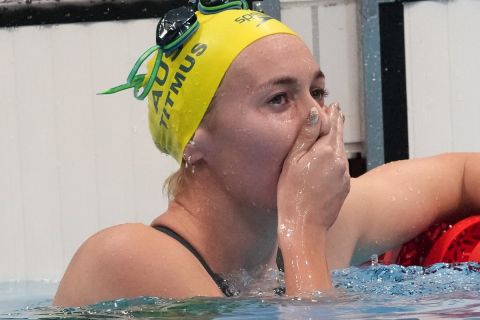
176	23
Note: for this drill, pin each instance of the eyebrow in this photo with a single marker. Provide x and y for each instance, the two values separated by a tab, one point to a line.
286	80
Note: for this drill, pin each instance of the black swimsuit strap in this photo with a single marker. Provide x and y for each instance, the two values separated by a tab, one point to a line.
221	283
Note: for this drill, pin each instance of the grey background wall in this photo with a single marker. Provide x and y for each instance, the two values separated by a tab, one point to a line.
442	51
72	162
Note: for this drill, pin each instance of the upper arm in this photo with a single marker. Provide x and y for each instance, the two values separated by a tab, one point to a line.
395	202
129	261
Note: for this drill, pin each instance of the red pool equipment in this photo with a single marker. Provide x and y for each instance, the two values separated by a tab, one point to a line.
475	254
440	243
457	244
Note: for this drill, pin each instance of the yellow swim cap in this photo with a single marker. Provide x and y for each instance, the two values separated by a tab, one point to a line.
189	76
187	80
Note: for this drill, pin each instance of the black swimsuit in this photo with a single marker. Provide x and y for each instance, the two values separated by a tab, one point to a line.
222	283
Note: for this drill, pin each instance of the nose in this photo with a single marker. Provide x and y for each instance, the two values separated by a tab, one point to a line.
308	102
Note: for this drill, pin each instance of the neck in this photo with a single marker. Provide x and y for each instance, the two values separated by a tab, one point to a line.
229	235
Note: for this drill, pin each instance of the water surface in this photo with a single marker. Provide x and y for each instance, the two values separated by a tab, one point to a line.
442	291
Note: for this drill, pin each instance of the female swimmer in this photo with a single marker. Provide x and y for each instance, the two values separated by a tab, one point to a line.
262	166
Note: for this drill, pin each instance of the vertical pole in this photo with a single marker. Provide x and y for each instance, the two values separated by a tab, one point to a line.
372	83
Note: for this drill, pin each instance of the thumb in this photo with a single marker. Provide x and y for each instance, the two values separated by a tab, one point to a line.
307	136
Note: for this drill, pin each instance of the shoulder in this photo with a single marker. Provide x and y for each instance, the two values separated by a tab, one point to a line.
131	260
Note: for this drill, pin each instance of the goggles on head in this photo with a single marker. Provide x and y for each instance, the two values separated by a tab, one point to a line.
173	30
214	6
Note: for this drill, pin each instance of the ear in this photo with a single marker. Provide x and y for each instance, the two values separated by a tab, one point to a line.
196	148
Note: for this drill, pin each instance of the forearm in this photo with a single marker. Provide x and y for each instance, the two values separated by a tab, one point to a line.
395	202
311	190
305	263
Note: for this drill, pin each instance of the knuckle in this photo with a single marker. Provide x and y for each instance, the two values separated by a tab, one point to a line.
328	149
342	164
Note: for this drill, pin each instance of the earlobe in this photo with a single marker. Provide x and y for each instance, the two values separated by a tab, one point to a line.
194	151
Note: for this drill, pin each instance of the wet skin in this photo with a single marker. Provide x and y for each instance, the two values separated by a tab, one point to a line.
258	132
257	113
254	144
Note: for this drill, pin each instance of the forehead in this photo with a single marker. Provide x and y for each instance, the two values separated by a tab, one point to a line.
273	56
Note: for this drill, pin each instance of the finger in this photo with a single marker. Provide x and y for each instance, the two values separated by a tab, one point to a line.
336	134
325	120
340	132
334	113
307	135
340	145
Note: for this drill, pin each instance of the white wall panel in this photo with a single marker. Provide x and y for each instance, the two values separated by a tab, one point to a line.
71	162
37	127
339	56
75	135
442	50
12	236
330	29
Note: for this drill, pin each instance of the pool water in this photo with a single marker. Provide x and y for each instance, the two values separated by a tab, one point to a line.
442	291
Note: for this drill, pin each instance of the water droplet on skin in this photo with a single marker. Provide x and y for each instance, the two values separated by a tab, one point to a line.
289	233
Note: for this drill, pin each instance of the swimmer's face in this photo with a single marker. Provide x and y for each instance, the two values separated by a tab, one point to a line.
263	101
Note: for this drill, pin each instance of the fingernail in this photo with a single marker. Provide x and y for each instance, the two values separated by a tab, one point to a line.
313	116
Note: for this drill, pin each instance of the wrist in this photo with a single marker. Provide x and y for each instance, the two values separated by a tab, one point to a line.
295	237
305	265
303	220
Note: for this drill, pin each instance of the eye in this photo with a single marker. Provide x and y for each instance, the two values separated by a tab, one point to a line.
319	94
279	99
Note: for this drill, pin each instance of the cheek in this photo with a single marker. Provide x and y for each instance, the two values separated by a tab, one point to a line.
274	144
265	149
250	154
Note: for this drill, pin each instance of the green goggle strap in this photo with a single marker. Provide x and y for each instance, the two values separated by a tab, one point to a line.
241	4
135	80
